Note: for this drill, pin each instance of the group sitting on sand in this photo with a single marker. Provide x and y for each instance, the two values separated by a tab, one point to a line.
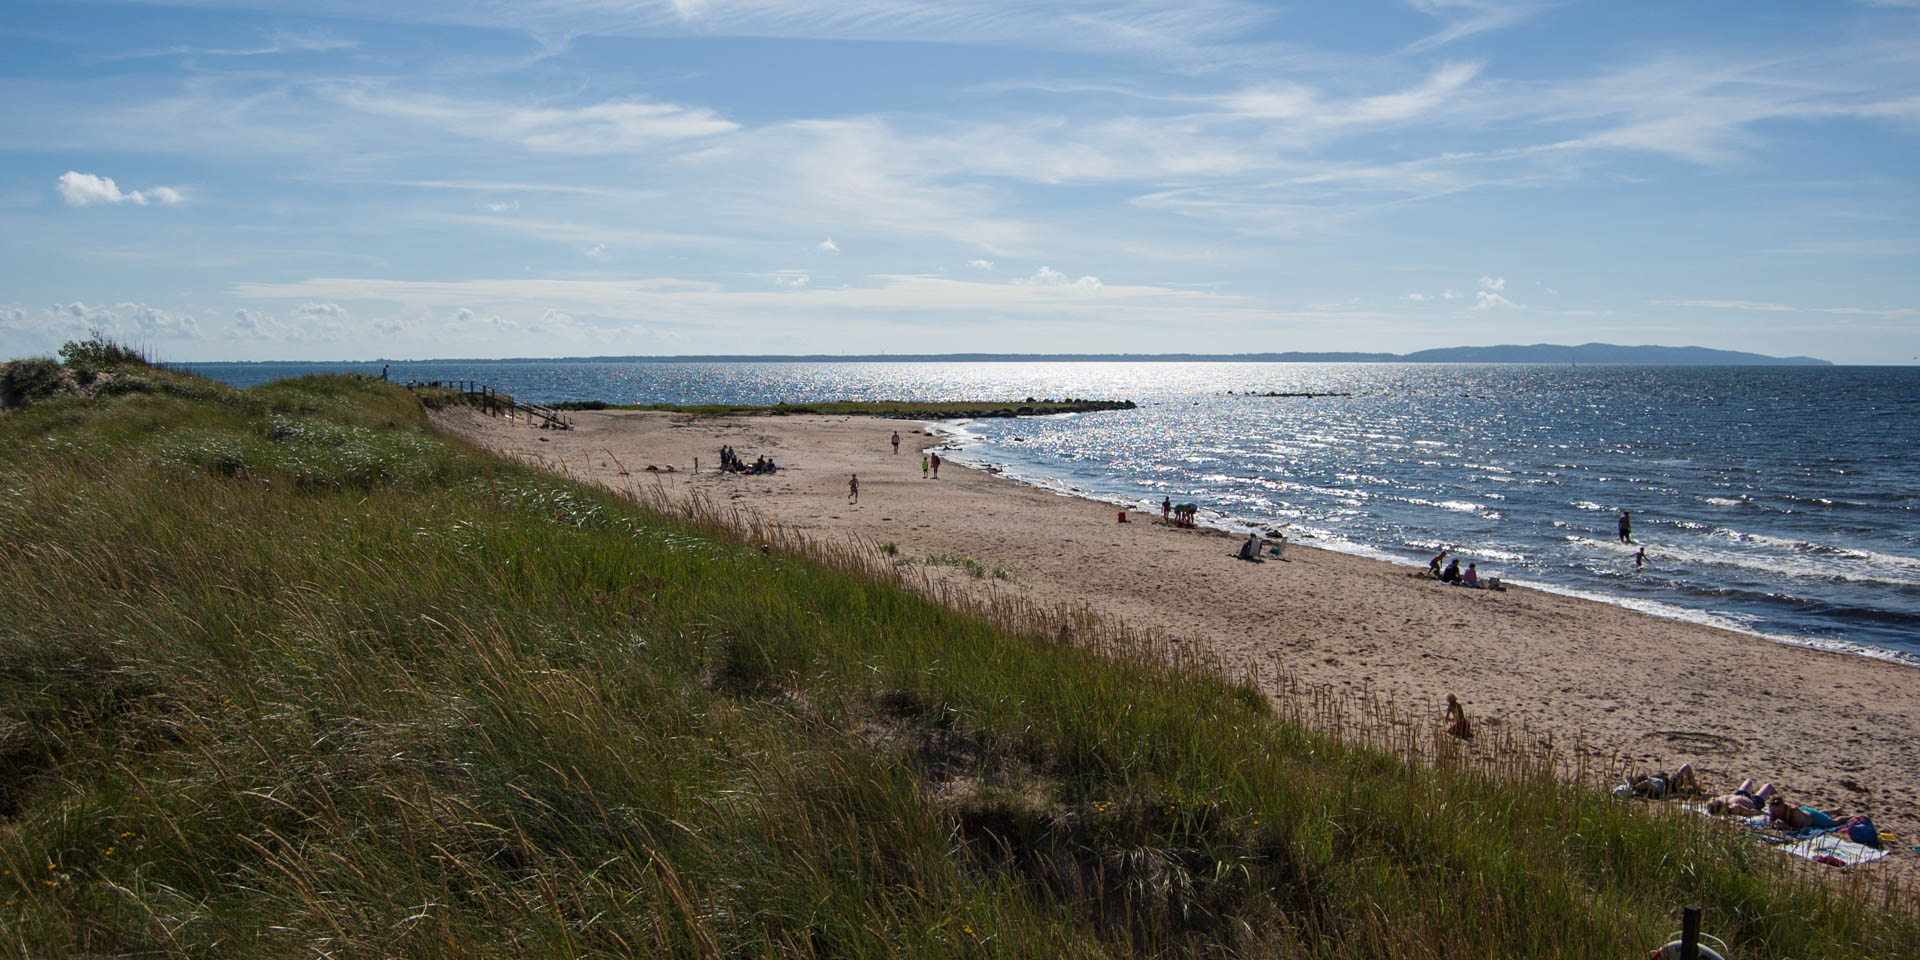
1452	574
730	462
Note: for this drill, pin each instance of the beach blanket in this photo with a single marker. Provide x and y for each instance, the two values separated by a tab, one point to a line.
1829	846
1833	846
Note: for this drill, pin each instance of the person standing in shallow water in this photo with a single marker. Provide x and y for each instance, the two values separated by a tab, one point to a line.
1626	527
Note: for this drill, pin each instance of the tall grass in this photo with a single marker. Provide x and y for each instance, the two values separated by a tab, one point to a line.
284	672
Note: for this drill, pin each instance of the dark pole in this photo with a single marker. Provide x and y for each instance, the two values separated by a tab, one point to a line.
1690	933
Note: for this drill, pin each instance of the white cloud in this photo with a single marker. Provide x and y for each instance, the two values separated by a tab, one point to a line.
466	320
827	246
322	311
86	189
1416	297
258	325
503	206
980	264
1049	277
318	321
135	322
790	278
1495	284
596	252
1483	300
1449	294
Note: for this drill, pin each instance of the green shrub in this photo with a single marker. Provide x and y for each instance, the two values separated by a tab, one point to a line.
101	351
24	381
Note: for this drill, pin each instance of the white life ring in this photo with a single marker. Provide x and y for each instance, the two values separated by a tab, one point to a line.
1672	950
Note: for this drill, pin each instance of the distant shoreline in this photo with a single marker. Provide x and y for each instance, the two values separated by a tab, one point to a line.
1596	354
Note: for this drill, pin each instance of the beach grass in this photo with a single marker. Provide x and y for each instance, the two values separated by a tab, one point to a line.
286	672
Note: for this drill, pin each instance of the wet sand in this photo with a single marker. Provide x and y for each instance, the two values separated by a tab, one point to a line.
1833	730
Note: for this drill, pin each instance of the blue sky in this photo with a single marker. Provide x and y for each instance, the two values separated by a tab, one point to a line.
337	179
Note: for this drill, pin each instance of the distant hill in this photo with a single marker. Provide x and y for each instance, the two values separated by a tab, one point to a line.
1602	353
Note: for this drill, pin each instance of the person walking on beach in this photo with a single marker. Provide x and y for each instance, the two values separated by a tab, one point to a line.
1626	527
853	489
936	466
896	443
923	466
1166	510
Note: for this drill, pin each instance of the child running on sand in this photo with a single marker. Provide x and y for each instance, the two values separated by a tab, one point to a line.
853	489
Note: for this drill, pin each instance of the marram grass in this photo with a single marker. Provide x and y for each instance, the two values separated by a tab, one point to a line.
287	673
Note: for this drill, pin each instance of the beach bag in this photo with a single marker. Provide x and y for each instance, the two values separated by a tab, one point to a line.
1862	831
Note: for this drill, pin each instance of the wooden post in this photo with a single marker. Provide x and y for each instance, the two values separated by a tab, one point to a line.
1690	933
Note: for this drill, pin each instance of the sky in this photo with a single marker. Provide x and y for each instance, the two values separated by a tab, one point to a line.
409	179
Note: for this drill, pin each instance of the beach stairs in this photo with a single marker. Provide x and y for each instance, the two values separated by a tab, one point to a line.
500	404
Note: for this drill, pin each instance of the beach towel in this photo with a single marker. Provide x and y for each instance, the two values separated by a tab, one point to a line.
1833	847
1829	845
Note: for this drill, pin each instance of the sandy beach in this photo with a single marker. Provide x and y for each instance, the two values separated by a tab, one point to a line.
1832	730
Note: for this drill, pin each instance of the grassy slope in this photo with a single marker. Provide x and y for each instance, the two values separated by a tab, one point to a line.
285	672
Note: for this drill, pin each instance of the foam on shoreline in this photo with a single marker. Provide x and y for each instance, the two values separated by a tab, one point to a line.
970	445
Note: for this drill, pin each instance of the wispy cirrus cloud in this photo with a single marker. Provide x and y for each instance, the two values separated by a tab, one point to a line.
1464	18
1046	293
606	127
1093	25
275	41
1760	306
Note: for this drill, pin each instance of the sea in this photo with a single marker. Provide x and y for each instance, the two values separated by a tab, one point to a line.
1782	501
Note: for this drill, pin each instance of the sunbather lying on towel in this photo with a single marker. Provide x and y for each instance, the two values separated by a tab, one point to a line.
1744	802
1787	816
1660	786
